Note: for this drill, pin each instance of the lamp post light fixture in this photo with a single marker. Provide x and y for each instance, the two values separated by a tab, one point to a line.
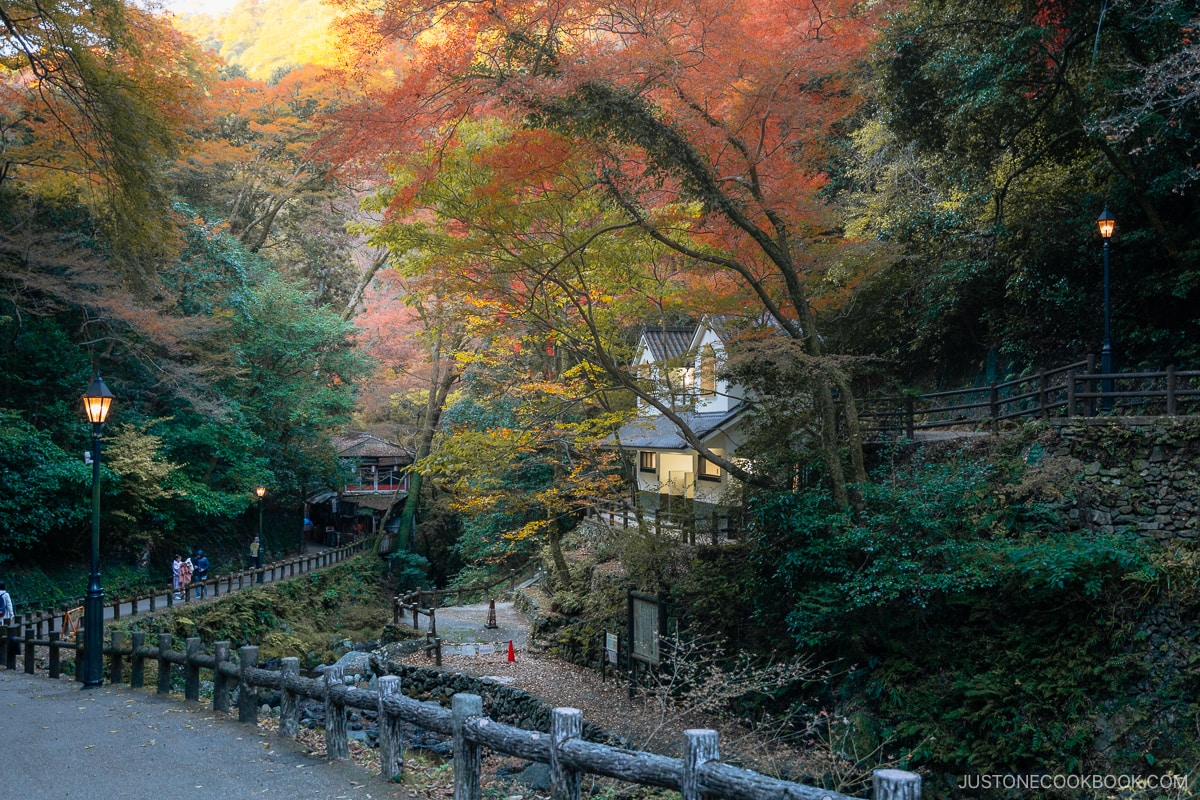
96	403
1107	224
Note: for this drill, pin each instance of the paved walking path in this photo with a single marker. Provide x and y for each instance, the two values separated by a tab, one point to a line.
114	742
269	575
457	625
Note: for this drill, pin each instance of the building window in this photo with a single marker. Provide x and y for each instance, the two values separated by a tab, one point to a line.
708	370
647	461
708	471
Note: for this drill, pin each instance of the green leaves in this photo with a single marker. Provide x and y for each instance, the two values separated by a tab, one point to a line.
43	490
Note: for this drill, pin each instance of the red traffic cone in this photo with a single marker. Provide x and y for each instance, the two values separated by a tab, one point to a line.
512	656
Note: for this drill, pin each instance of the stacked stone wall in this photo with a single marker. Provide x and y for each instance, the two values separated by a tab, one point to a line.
1131	474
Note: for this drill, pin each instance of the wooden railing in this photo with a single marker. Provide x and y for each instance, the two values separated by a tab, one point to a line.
700	772
1075	390
691	528
42	621
437	598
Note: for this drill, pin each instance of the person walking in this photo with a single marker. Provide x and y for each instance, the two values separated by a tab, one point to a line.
176	565
256	557
8	613
185	577
201	574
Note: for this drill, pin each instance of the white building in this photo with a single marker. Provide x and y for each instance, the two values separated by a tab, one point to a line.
682	365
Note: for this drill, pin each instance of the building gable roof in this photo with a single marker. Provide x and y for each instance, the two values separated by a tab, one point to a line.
366	445
659	433
666	343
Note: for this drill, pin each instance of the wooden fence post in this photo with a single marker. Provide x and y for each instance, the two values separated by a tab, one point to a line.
191	670
895	784
30	664
391	755
117	670
164	666
337	744
1091	385
289	701
468	756
78	651
1172	387
699	747
137	661
565	724
220	679
247	693
55	654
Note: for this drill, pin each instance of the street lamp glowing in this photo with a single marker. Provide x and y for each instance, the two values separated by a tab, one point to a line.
261	491
96	401
1107	223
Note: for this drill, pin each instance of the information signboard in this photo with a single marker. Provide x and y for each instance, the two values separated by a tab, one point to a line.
646	624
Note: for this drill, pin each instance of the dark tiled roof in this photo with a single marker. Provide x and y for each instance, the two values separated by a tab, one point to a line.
366	445
659	433
668	343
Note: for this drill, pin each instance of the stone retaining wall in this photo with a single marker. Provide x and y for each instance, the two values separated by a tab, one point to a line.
502	703
1142	474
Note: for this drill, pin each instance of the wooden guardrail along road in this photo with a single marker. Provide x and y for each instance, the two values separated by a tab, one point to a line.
698	773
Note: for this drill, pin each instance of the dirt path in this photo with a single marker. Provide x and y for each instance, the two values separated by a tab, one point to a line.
642	720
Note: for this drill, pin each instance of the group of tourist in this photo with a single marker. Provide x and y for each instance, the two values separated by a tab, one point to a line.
185	571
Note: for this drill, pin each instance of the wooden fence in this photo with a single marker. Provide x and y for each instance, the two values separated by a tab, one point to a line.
426	602
1071	391
437	598
700	772
690	528
42	622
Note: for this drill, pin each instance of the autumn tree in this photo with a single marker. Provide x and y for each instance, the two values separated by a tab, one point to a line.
416	333
252	165
705	126
95	99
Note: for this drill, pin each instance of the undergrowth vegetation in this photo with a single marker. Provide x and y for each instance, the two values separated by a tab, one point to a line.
316	616
970	624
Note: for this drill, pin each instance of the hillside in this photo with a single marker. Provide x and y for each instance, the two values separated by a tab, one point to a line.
263	37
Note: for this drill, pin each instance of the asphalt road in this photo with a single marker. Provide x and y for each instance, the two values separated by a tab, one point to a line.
62	741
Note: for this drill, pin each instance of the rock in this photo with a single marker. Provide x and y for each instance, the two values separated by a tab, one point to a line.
536	776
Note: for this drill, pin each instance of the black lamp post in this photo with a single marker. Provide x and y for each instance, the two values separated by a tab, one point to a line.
261	491
96	402
1107	224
